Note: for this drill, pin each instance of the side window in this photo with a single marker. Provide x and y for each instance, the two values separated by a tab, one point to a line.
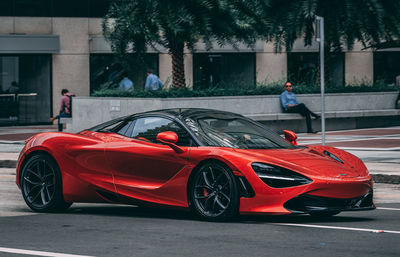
126	129
148	128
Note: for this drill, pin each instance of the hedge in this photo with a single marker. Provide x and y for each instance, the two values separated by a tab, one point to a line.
237	91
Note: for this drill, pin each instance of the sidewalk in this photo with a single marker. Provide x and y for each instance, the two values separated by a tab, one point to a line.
379	148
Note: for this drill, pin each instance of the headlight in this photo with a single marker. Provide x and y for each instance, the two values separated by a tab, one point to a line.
278	177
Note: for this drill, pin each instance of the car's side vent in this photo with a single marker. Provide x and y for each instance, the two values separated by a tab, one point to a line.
110	197
245	190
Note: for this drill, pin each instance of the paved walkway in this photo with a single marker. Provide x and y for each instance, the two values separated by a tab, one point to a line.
379	148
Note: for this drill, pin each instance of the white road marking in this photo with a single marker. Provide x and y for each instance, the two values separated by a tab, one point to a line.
339	228
39	253
388	209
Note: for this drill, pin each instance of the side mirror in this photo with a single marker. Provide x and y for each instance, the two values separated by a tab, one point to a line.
169	138
291	137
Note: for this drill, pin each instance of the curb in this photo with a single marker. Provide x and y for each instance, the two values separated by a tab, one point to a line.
8	164
387	179
377	178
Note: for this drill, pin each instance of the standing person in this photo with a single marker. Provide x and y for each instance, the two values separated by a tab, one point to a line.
290	104
126	84
153	82
65	107
397	103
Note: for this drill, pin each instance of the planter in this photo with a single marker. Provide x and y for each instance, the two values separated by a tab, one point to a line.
90	111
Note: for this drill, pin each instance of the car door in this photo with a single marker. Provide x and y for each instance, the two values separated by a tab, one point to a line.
139	163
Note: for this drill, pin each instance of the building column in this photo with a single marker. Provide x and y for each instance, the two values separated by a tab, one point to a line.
359	66
165	69
71	67
270	66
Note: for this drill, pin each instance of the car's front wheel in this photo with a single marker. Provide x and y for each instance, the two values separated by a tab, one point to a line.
41	184
214	192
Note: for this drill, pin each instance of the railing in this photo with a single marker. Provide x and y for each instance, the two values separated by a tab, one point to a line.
9	107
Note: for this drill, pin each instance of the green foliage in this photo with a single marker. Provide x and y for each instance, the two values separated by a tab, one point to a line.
271	89
135	25
368	21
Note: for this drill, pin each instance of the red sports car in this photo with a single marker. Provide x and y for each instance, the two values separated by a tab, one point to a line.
217	164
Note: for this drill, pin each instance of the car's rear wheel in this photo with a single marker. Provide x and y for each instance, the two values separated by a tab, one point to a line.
41	184
214	192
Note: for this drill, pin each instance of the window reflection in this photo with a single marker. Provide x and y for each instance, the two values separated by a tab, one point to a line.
225	70
386	66
107	72
21	75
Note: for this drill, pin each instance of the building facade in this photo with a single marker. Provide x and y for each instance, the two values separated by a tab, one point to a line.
48	45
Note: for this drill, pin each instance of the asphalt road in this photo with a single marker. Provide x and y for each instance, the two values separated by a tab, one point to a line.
116	230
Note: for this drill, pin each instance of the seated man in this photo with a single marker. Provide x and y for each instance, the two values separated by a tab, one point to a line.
290	104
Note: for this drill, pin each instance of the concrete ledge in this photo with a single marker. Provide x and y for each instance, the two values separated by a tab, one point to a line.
65	120
8	163
384	178
328	115
91	111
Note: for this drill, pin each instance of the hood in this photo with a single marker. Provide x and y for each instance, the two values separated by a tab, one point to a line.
307	161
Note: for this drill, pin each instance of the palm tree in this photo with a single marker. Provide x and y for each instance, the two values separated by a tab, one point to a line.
346	21
134	25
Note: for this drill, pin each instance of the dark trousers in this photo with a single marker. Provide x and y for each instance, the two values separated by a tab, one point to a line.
303	110
61	115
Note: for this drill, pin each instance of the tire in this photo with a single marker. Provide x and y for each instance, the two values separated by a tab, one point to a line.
41	184
214	193
324	214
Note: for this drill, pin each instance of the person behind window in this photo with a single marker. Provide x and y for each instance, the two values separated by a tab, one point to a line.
153	82
290	104
65	108
13	89
126	84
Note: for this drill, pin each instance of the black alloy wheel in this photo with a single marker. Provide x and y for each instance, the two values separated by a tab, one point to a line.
214	193
41	184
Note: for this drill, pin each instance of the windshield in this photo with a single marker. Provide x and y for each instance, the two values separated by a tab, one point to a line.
235	132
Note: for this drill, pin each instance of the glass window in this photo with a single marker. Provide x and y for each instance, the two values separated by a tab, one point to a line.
148	128
235	132
107	72
112	126
303	68
41	8
386	66
126	128
226	70
99	8
30	76
71	8
6	8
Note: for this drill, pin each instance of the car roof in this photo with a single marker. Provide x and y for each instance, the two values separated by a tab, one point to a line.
196	113
175	113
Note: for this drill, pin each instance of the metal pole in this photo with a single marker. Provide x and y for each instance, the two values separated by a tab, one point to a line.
322	69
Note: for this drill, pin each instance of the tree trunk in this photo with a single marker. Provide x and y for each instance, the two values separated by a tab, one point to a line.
178	67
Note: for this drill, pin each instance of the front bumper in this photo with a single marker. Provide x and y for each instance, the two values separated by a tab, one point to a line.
306	203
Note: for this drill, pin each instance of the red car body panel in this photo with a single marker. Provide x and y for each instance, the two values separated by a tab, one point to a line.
96	161
94	164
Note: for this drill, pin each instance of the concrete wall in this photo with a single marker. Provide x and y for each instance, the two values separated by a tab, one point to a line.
90	111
